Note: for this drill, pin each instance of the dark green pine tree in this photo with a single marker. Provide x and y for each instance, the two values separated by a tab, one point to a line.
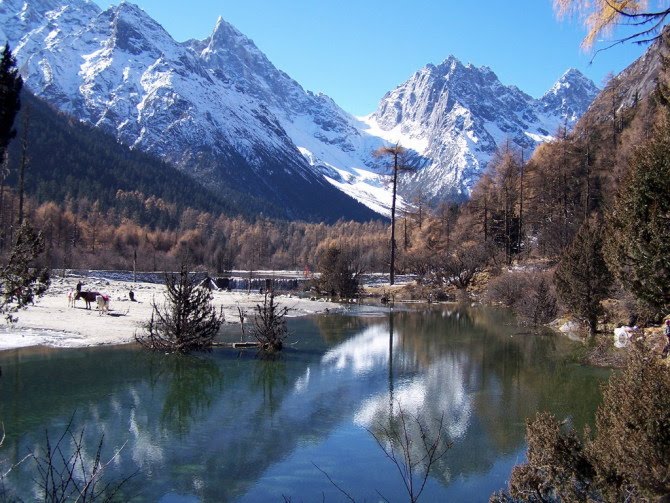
338	273
21	281
10	100
186	322
582	278
637	242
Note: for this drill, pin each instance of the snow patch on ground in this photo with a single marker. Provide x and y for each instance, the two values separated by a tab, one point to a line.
51	322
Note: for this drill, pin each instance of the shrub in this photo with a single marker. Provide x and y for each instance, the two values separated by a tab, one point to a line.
628	458
507	288
339	273
270	325
528	294
186	322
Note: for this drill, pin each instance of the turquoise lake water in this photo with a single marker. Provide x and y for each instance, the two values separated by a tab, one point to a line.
227	426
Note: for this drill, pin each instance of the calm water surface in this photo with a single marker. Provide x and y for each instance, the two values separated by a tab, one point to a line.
228	427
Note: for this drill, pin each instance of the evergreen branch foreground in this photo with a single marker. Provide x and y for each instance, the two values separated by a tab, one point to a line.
20	281
628	457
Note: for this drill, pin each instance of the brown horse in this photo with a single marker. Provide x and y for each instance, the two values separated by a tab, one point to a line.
89	297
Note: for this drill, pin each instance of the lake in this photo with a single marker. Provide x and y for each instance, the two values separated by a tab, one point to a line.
227	426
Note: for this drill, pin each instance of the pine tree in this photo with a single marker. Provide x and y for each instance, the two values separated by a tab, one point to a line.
270	328
10	100
187	322
582	278
338	273
20	280
638	226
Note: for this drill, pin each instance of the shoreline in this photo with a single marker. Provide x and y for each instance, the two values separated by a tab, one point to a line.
52	323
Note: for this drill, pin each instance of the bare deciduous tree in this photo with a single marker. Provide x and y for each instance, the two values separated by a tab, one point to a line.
395	152
413	448
458	266
65	472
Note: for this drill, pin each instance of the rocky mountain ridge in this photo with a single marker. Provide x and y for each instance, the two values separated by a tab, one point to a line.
456	115
219	110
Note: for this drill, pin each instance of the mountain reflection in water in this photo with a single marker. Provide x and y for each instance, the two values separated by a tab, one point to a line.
226	426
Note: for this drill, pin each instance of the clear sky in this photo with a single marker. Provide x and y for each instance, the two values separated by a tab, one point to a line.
356	50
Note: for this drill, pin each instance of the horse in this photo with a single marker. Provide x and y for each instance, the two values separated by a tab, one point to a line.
88	297
71	298
102	302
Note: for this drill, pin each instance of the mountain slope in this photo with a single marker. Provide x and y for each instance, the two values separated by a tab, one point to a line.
120	71
220	111
455	116
69	160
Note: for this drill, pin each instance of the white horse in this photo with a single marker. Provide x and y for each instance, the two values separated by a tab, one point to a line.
102	302
71	298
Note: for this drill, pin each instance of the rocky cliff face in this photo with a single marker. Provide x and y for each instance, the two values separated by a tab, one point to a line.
220	110
455	116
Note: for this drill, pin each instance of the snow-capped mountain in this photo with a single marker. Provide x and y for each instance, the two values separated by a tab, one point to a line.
121	71
218	109
455	116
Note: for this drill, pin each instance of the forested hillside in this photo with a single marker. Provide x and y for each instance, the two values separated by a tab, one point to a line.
93	197
70	161
100	205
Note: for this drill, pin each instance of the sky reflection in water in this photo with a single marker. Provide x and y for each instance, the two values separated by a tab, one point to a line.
230	427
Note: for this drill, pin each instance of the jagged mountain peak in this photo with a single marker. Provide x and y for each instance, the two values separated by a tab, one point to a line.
454	68
134	31
220	109
226	35
430	94
455	115
572	78
44	6
572	94
573	74
448	65
229	42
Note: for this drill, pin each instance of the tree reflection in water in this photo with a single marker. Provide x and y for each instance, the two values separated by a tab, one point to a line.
414	445
190	389
228	427
269	377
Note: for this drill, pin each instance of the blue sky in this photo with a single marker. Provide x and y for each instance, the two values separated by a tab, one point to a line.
356	50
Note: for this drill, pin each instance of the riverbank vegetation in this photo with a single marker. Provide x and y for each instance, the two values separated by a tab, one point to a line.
625	458
186	322
580	229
